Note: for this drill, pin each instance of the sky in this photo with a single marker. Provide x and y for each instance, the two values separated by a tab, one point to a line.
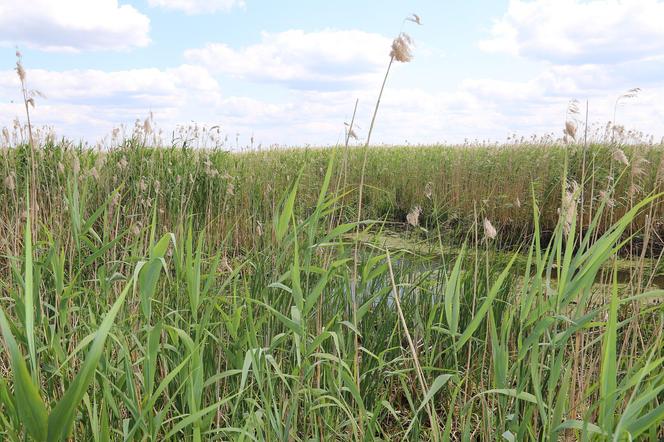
289	72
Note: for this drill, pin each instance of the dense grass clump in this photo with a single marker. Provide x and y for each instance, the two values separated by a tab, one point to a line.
157	294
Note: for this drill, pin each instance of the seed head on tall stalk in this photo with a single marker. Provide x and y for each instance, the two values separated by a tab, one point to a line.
401	51
632	93
28	100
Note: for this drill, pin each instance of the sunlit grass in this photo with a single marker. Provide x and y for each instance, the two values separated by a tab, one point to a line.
180	294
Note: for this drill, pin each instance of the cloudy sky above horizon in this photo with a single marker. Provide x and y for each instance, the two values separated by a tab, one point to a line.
289	72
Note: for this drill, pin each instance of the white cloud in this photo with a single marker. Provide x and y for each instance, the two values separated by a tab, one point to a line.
593	50
198	6
72	25
89	103
325	83
329	59
580	32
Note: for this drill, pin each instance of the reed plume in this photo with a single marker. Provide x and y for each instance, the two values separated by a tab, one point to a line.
402	48
413	216
489	231
620	157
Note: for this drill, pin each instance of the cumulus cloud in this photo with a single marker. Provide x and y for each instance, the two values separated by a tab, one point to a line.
198	6
329	59
593	50
579	32
325	72
72	25
89	103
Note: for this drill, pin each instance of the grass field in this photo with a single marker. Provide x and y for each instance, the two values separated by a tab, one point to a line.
162	294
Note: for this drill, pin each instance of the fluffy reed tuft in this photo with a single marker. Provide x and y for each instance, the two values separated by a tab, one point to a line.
428	190
620	157
20	70
402	48
413	216
10	184
569	206
489	231
570	130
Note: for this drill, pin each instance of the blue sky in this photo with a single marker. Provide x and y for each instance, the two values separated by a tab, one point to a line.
289	72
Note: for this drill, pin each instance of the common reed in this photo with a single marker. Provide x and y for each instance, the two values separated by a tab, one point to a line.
148	314
183	291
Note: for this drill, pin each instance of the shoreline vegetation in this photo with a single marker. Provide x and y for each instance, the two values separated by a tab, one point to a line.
184	293
166	293
452	187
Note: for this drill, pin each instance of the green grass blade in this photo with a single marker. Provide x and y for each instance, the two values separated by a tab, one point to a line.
287	212
608	372
29	295
484	308
30	407
62	416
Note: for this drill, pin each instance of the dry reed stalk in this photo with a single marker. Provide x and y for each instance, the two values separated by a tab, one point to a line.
402	52
629	94
28	100
583	176
413	349
344	168
475	291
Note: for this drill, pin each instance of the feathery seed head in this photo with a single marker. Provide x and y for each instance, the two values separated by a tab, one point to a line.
489	231
259	228
415	19
20	71
631	93
116	199
402	48
9	182
136	228
570	129
638	168
569	203
147	127
428	190
620	157
413	217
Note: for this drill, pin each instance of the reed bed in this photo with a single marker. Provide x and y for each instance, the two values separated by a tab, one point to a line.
452	186
164	294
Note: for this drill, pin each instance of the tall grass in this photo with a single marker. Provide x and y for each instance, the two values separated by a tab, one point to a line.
217	188
212	306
